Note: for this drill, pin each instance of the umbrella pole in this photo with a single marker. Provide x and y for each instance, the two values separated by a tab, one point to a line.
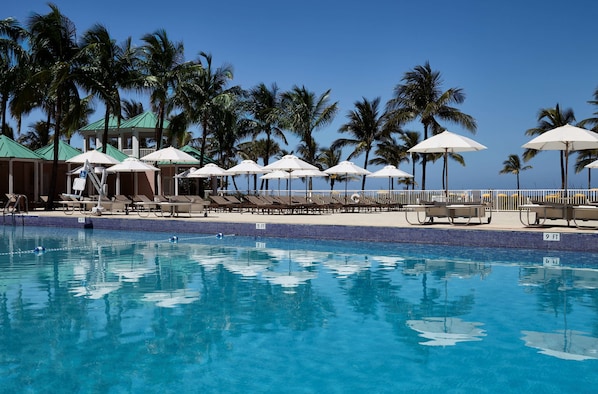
290	188
446	173
566	181
346	181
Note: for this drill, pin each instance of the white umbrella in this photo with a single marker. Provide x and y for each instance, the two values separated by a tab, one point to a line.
277	174
593	164
447	142
170	154
307	174
131	165
185	174
93	157
207	171
247	167
565	138
346	168
389	172
290	163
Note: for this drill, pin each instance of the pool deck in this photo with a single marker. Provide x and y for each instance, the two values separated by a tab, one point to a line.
505	229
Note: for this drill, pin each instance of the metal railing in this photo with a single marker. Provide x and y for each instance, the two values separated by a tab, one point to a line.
499	199
142	151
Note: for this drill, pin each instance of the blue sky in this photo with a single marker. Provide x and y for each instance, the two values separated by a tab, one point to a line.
511	58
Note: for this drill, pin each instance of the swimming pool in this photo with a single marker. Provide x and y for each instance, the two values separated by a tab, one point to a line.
105	311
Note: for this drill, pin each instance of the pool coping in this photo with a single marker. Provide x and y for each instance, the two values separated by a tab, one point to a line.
513	239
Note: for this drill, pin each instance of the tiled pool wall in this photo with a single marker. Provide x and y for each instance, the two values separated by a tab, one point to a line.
549	240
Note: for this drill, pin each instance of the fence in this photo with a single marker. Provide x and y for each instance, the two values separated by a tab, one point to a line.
500	199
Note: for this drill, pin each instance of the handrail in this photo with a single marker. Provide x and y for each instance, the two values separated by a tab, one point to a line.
499	199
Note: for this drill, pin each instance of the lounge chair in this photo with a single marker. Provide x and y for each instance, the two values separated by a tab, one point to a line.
432	210
221	203
175	206
121	203
535	213
144	205
585	213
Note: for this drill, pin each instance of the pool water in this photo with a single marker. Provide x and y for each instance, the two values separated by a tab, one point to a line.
121	312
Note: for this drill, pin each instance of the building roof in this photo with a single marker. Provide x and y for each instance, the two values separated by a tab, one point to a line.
113	152
12	149
65	151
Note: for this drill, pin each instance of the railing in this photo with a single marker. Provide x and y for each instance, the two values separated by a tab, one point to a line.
142	152
500	199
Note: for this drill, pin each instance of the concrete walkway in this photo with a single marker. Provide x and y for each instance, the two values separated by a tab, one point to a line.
501	221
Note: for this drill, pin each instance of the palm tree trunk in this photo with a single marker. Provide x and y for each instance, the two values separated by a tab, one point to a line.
365	166
105	135
424	160
54	173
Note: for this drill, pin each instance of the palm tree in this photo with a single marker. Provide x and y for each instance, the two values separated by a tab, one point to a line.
264	106
548	119
391	151
584	158
367	127
410	139
304	113
208	97
13	60
36	137
329	158
513	166
131	108
108	68
420	97
56	55
164	69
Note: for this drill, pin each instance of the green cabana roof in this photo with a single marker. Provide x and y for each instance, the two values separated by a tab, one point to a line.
146	120
98	125
195	153
113	152
12	149
65	151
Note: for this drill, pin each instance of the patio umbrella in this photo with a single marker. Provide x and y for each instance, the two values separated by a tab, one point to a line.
207	171
93	157
131	165
290	163
565	138
389	172
346	168
277	174
308	174
247	167
447	142
170	155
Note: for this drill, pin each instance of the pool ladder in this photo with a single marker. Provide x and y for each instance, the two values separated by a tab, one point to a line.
17	203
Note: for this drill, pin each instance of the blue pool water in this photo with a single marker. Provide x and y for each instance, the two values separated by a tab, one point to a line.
123	312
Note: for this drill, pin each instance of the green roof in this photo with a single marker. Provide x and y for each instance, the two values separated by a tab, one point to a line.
146	120
98	125
113	152
197	154
11	149
65	151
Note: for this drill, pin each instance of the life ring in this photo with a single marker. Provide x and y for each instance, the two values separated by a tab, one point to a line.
355	198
